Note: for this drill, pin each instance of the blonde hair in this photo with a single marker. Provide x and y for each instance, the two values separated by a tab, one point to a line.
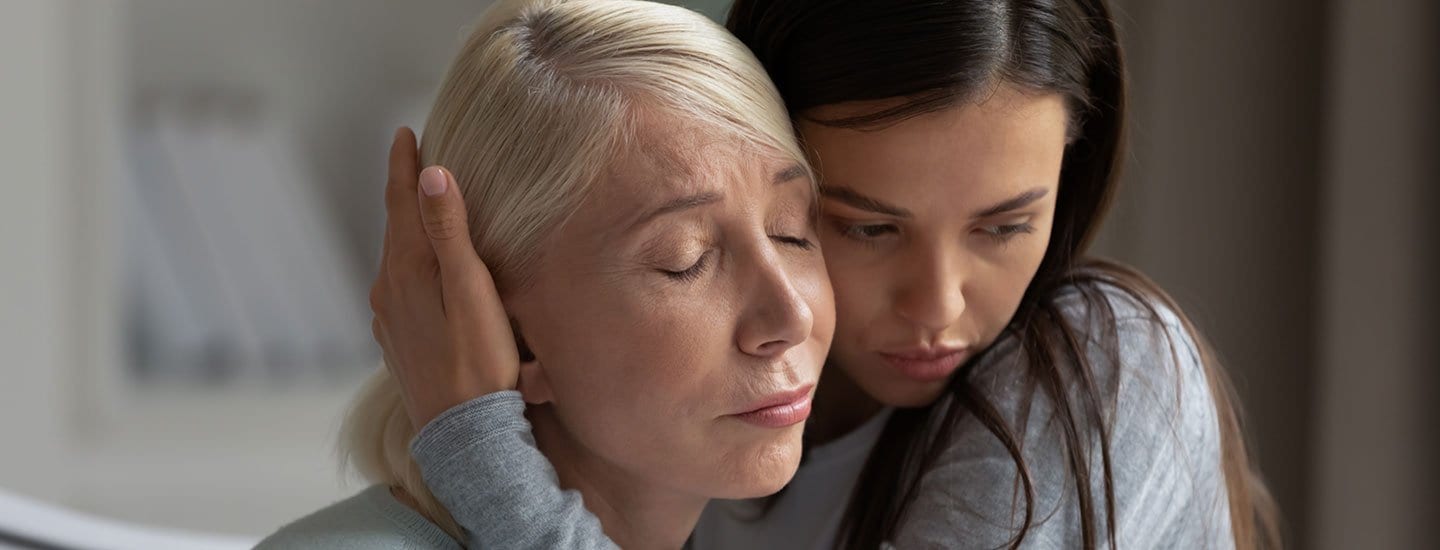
541	97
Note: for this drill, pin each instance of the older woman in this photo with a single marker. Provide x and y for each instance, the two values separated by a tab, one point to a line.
635	188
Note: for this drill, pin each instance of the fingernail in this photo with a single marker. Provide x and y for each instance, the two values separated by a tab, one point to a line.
432	181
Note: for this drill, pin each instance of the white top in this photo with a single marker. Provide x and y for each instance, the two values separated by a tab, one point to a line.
806	515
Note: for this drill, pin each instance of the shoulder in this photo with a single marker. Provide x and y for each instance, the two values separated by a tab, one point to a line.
1097	333
1142	372
1093	306
1120	332
1160	411
1140	356
369	519
1124	353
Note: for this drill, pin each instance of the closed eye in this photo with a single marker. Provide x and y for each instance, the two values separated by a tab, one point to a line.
690	273
797	242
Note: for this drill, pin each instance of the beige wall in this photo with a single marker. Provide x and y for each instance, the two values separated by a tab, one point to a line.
1376	423
1278	172
1221	197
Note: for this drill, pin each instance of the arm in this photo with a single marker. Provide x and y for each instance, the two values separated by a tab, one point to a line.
481	462
447	340
1164	450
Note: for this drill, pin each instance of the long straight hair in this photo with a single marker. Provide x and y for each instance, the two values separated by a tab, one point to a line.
937	54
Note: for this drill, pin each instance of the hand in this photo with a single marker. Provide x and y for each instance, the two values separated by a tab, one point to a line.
438	317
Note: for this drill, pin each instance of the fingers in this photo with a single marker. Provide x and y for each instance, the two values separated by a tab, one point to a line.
404	237
446	223
471	301
384	251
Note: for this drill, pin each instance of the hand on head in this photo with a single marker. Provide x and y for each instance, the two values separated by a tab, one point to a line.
437	315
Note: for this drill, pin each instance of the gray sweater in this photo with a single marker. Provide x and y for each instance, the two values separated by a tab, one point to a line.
482	464
371	519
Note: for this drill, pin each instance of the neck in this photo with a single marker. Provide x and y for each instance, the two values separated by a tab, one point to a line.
634	512
840	407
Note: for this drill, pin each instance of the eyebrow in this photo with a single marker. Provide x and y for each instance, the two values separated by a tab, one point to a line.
858	200
789	173
1013	203
675	205
785	175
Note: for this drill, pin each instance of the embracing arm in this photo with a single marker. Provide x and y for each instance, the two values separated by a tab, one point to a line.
447	340
1164	457
481	462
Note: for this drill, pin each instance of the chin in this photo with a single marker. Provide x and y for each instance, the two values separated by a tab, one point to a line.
904	394
761	469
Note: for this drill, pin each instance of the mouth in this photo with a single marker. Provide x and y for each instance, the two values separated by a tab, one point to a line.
779	410
926	364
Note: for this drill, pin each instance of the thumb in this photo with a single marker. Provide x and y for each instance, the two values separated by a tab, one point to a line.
442	210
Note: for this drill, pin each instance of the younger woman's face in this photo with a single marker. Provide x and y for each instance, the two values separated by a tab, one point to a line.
932	229
681	316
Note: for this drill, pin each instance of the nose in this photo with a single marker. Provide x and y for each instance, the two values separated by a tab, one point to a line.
933	297
776	314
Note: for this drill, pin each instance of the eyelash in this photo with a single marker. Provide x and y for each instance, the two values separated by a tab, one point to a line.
868	233
862	232
694	271
797	242
690	273
1003	233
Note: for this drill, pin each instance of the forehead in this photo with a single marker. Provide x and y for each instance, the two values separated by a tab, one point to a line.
1007	138
667	156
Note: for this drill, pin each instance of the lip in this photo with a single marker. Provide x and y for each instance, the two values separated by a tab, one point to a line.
780	409
926	364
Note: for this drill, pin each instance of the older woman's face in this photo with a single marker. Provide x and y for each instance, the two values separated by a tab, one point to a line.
681	317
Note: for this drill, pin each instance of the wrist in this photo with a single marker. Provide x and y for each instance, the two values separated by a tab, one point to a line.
431	405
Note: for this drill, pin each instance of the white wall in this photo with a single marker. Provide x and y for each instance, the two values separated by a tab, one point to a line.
340	73
36	242
343	72
75	432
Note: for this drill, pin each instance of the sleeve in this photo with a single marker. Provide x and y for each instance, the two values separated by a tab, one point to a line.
1164	451
342	540
480	461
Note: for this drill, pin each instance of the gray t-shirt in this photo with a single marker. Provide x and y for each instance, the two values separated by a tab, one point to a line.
481	462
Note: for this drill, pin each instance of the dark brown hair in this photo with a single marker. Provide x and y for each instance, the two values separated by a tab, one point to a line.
936	54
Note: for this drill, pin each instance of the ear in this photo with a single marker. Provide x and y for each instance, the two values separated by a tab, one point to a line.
534	385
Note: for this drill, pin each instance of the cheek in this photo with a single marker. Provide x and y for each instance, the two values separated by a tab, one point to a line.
812	280
860	295
995	293
857	278
627	347
645	379
1028	253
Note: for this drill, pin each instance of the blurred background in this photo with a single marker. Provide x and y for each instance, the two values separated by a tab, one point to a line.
192	212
